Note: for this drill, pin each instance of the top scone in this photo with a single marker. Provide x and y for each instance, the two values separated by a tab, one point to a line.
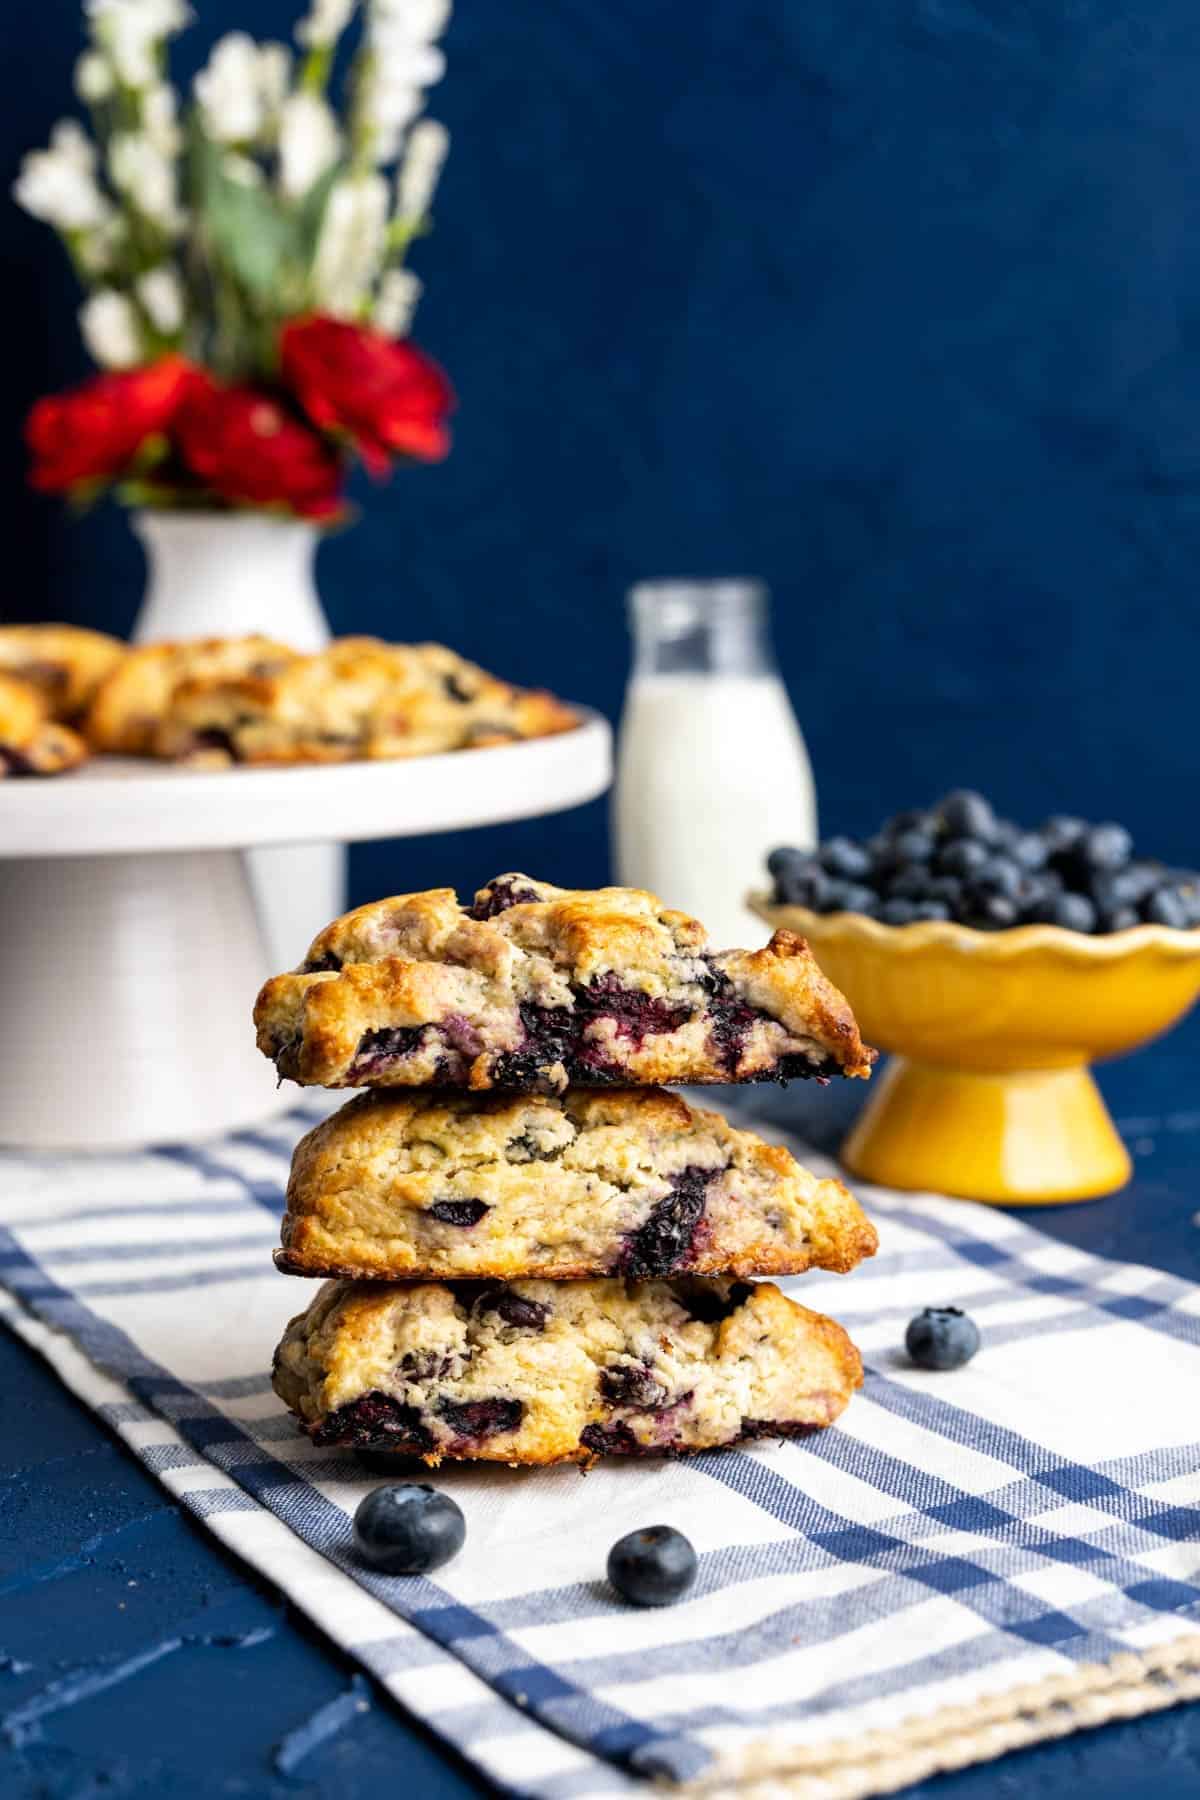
535	988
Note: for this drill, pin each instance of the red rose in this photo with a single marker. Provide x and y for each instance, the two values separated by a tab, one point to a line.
93	432
386	397
243	444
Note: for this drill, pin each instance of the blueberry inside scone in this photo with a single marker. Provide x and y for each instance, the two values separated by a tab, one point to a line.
542	1372
631	1181
535	988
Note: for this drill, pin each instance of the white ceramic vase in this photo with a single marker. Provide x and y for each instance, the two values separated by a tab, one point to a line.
214	574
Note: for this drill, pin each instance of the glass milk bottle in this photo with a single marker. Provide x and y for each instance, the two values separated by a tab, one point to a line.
712	772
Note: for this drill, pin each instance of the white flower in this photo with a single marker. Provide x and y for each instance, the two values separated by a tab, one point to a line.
97	249
109	324
160	120
161	294
421	20
402	63
326	21
386	109
93	77
58	185
423	158
230	91
242	169
351	245
309	140
396	302
146	177
131	32
274	74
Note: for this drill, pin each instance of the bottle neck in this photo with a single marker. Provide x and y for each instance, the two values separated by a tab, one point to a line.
697	628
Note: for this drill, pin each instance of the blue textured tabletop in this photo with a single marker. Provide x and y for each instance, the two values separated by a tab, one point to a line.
163	1669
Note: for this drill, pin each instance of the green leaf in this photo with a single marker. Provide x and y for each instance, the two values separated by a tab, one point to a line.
309	215
250	234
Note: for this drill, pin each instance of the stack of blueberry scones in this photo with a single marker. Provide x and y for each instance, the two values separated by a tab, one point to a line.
536	1253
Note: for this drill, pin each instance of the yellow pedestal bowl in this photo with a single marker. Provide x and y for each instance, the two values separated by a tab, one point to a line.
988	1094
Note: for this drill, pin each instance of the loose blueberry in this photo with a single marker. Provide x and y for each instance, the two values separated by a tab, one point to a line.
787	860
1074	912
941	1337
842	856
852	896
1061	833
1106	847
994	912
408	1528
998	876
930	909
962	856
910	882
1169	906
1029	850
898	912
967	814
1120	918
652	1567
914	846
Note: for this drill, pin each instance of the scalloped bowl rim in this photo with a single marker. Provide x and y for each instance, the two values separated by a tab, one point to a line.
992	946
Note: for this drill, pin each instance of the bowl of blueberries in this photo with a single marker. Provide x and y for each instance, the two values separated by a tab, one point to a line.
994	964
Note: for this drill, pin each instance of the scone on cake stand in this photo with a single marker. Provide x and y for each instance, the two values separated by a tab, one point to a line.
129	937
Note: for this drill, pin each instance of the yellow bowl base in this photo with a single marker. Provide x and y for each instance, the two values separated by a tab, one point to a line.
1022	1136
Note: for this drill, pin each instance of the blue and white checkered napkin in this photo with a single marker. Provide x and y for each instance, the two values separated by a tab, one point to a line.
967	1561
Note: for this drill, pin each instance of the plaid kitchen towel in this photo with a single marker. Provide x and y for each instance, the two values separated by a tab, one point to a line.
966	1562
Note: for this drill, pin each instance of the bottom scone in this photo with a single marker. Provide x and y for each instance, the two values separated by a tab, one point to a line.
543	1372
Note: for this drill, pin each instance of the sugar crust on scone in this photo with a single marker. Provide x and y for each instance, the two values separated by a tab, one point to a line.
359	698
65	663
633	1182
32	743
536	987
538	1372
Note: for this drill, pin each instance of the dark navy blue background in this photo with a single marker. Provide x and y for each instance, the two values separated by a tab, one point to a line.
896	304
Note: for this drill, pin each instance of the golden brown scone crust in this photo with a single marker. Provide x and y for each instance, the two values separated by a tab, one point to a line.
128	708
358	699
66	663
541	1372
477	995
31	743
438	1186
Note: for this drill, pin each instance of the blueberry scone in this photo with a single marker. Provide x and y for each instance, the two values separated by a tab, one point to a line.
629	1181
128	709
30	742
533	987
66	663
358	699
544	1372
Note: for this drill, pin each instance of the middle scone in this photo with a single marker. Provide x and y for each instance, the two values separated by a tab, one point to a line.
634	1182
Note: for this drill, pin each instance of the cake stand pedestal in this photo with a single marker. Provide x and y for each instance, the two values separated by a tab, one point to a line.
131	947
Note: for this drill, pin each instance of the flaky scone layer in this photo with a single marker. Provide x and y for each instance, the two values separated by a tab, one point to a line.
535	987
31	743
66	663
543	1372
626	1181
359	698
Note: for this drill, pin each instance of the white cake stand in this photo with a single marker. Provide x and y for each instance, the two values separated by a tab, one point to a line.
130	946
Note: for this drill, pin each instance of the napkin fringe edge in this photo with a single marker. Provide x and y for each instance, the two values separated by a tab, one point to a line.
954	1737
